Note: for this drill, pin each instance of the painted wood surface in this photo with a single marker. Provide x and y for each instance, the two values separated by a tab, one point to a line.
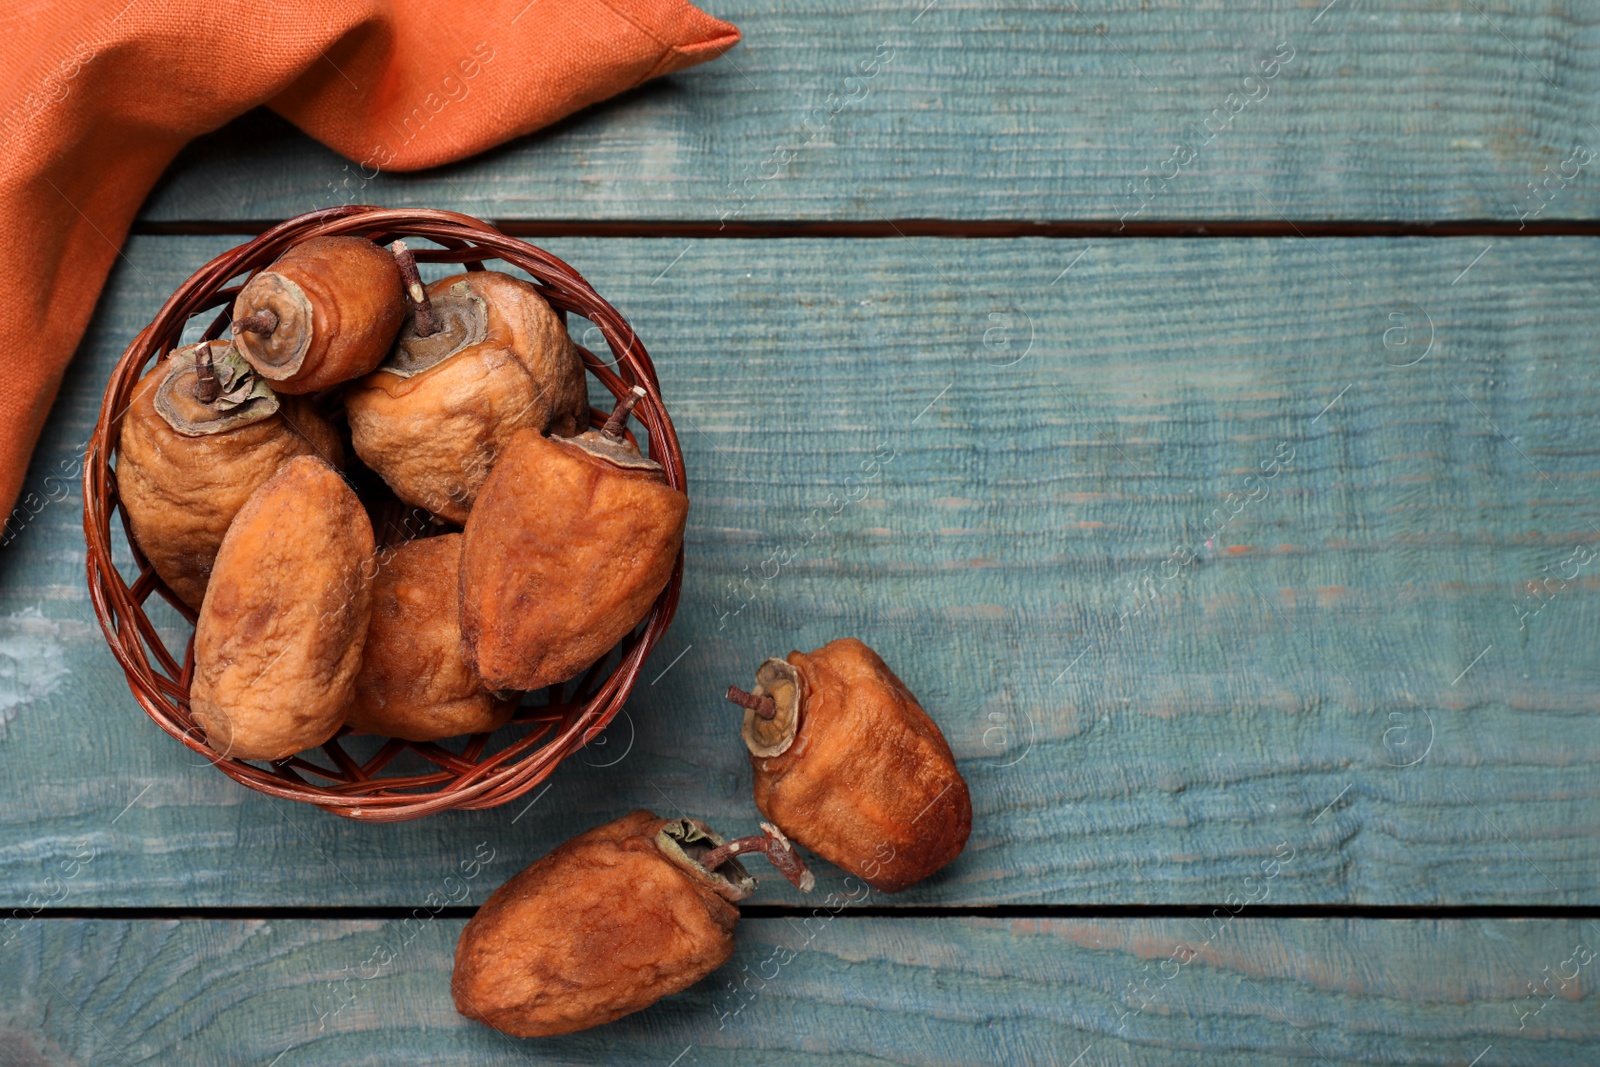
994	462
819	989
1146	109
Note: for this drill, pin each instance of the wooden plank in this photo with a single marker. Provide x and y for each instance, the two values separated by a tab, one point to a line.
1149	110
820	989
1351	668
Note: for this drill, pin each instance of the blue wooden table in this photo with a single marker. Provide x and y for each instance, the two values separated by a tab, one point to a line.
1233	375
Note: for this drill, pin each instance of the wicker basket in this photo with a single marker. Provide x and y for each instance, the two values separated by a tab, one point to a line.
475	776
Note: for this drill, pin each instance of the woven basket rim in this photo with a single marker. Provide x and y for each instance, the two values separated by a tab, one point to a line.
159	680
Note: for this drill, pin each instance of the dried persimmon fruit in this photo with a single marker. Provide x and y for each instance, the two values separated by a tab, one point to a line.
201	433
481	357
414	683
324	312
571	541
608	923
848	764
279	638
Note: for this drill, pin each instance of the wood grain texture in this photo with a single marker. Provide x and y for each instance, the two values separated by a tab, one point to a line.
829	990
1351	668
839	110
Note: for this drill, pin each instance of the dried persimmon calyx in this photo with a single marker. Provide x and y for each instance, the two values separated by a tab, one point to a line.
610	444
237	395
460	321
697	848
772	708
279	325
687	842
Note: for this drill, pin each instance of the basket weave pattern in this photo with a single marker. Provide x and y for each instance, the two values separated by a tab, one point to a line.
474	777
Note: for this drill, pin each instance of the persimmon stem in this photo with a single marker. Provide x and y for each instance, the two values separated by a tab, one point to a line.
206	386
772	844
427	323
262	322
619	414
764	707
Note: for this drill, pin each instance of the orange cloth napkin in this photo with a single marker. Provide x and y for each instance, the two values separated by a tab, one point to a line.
101	94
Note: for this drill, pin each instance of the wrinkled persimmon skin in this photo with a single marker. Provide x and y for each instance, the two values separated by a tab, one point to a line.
280	634
601	927
435	436
357	304
413	682
562	556
182	492
869	783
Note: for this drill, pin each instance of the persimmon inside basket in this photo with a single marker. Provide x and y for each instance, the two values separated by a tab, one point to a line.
377	785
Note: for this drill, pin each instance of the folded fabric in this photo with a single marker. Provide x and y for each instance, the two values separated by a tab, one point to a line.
101	95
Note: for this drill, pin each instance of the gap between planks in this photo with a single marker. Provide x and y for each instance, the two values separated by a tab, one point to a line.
1406	912
967	228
